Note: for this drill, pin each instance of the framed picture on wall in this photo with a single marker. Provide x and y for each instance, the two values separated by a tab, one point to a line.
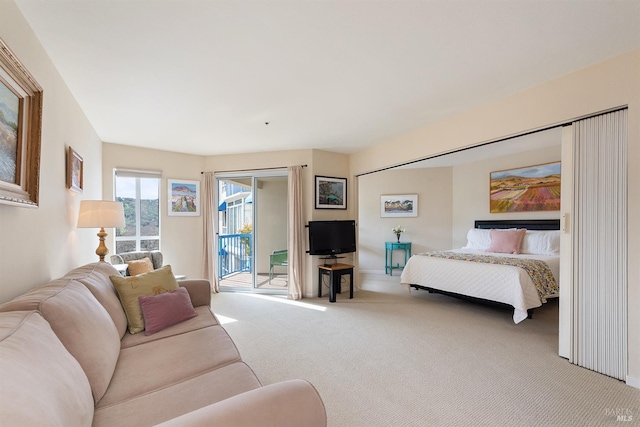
526	189
331	193
75	171
183	198
20	132
398	205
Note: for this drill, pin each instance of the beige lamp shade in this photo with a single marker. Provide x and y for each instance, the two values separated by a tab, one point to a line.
100	214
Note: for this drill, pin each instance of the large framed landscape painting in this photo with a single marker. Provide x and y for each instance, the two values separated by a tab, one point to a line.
20	130
183	198
527	189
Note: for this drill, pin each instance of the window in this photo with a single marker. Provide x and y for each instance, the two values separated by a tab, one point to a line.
139	193
234	216
235	209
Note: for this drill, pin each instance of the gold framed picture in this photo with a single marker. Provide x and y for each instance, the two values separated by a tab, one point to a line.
20	132
75	171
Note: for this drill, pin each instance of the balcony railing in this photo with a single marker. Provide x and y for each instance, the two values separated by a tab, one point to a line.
234	254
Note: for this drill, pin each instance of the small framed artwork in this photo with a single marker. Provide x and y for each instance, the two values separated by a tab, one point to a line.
183	198
527	189
331	193
75	171
20	132
398	205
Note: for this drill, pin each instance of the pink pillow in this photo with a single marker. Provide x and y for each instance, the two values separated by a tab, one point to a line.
506	241
164	310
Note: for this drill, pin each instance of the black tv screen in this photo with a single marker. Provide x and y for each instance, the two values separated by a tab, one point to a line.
332	237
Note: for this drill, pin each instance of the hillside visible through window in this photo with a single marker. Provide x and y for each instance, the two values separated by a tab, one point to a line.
140	198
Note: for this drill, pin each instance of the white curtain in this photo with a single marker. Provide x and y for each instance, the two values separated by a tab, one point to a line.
209	229
599	278
296	235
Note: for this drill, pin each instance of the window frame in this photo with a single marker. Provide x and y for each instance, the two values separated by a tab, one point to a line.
138	175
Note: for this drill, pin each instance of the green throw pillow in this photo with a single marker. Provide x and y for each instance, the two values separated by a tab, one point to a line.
130	288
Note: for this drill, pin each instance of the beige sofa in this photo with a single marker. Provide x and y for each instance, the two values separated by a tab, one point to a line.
66	359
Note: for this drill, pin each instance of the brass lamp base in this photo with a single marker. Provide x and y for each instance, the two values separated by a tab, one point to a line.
102	250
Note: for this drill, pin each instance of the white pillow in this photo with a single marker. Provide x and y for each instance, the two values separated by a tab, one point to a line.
478	239
541	242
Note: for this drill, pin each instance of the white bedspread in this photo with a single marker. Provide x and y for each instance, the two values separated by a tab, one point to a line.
502	283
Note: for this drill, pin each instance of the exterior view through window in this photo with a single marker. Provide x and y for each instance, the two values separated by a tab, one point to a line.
140	196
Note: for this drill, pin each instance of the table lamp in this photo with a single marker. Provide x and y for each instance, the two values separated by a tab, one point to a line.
101	214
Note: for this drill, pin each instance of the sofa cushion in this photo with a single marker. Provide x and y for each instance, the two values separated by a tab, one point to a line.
270	405
161	363
82	325
130	288
205	318
180	398
139	266
164	310
199	291
95	276
37	387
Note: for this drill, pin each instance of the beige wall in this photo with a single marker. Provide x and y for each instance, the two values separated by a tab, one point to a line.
610	84
38	244
180	237
430	230
471	190
337	166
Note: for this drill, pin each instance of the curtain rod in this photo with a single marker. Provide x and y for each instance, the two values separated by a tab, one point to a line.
251	170
504	138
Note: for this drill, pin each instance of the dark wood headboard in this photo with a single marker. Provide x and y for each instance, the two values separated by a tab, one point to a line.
529	224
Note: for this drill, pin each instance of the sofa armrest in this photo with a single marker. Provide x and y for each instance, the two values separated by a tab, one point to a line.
291	403
199	291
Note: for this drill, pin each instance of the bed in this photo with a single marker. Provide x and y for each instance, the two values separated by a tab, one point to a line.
523	281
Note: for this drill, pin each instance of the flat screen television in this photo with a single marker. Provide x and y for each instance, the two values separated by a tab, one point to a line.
332	237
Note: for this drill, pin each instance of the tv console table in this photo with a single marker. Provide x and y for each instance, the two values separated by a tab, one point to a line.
335	273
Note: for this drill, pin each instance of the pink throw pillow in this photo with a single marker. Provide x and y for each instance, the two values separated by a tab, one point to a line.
164	310
506	241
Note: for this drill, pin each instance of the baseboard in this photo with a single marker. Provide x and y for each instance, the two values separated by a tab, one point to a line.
633	382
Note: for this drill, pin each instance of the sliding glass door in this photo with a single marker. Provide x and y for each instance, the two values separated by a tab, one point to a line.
252	232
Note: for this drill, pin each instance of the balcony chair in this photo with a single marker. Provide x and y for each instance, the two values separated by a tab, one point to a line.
277	258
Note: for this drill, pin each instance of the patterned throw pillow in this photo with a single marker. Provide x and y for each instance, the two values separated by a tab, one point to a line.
140	266
130	288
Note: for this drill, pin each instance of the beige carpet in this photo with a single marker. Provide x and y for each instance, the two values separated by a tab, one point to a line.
390	358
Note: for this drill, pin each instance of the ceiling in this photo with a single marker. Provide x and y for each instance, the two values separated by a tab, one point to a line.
235	76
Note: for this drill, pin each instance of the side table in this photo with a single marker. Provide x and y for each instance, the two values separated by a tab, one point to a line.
335	273
389	247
